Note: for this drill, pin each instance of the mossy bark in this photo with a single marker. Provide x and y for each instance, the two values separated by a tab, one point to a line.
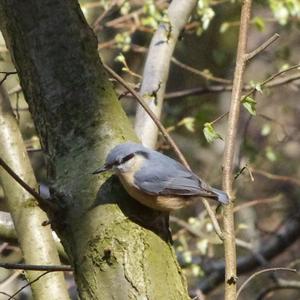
79	119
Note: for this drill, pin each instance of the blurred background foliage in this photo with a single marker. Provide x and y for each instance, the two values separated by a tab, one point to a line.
195	112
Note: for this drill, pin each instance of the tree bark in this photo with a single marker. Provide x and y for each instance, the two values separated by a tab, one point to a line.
157	68
79	119
36	240
229	153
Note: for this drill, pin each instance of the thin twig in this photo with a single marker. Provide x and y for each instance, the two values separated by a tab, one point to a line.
228	88
149	111
103	15
252	90
187	227
261	272
257	202
9	72
282	81
8	295
6	75
263	46
137	12
265	292
264	83
229	152
277	177
273	246
106	12
203	74
213	219
168	138
280	284
28	284
200	235
219	118
49	268
29	189
272	77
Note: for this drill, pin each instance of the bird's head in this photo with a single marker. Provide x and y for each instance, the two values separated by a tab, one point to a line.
122	158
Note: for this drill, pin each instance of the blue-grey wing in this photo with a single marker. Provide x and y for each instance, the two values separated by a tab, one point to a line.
161	175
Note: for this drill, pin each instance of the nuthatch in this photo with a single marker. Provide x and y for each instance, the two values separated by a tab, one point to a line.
156	180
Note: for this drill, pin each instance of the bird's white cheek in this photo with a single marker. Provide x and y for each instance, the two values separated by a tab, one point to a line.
125	167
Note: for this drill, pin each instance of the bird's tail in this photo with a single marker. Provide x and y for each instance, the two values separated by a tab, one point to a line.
220	196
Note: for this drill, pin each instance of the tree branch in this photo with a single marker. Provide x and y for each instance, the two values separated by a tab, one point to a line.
242	287
157	67
49	268
203	74
262	47
149	112
276	177
42	202
6	75
229	152
272	77
286	235
8	233
22	206
228	88
28	284
281	284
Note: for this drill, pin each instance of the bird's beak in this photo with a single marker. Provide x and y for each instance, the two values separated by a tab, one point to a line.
101	170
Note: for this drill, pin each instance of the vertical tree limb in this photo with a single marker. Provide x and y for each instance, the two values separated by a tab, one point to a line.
36	240
157	67
8	233
230	146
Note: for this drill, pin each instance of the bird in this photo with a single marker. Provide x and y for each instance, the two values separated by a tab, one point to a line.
156	180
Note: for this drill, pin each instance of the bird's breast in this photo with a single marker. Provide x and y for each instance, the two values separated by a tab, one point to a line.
158	202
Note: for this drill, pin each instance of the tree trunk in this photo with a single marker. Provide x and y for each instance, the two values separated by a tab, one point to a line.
79	119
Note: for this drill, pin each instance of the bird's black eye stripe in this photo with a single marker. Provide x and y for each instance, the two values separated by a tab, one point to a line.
143	153
126	158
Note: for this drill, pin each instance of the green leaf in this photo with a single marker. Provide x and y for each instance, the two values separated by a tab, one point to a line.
188	123
210	133
270	154
257	86
196	270
123	41
120	58
224	27
259	23
280	11
187	257
125	69
249	103
202	245
125	8
266	129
